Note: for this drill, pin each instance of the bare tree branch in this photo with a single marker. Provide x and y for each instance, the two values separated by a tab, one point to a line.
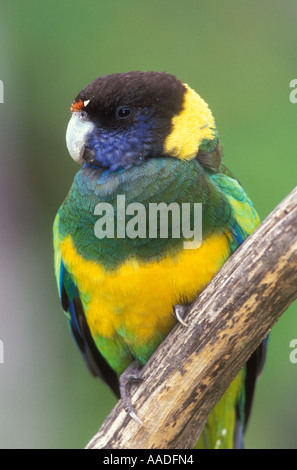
194	365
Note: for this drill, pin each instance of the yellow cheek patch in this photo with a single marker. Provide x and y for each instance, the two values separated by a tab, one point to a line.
192	125
136	299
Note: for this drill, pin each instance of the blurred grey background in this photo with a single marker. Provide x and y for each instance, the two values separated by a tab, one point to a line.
240	56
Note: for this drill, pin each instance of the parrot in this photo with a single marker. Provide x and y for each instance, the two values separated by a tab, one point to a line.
148	138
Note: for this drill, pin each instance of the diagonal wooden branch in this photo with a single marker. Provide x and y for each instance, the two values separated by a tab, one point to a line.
194	365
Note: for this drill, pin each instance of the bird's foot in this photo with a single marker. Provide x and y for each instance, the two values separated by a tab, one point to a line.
129	377
179	312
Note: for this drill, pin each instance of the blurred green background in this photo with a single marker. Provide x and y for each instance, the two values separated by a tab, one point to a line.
240	56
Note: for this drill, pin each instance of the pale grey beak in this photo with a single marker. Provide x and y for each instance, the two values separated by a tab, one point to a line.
76	135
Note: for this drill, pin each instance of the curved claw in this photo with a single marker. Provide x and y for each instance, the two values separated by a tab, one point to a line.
179	311
134	416
129	376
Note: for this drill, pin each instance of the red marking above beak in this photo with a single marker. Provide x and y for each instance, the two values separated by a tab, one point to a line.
77	106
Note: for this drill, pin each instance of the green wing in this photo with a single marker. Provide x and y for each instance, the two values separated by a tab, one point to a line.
73	308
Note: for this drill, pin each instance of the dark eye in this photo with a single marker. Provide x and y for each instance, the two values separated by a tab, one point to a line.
123	112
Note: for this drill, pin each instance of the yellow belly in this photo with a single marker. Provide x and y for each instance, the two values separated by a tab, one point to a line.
138	297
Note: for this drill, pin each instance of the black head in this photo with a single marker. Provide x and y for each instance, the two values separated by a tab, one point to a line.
122	119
